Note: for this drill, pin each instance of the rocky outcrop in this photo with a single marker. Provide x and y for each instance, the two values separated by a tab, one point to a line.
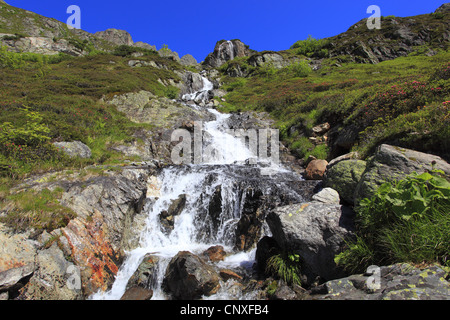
225	51
89	250
316	232
118	37
41	45
189	277
188	60
397	37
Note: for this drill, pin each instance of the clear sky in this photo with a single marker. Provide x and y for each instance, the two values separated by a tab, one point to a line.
194	26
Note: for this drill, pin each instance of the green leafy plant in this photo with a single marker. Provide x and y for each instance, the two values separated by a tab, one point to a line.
405	221
286	266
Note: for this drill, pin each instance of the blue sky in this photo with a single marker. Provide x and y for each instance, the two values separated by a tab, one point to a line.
194	26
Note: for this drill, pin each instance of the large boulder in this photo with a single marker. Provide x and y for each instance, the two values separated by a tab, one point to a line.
344	177
188	277
317	232
394	163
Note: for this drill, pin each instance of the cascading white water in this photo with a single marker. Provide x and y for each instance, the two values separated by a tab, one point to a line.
193	231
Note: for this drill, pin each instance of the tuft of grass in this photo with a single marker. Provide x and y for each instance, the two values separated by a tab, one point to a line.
286	266
39	210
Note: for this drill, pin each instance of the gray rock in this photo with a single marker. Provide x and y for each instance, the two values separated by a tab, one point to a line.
144	45
327	195
189	277
10	277
188	60
315	231
74	149
118	37
145	275
55	278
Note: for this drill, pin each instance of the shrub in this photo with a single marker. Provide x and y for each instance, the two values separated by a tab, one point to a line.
311	46
172	92
405	221
300	69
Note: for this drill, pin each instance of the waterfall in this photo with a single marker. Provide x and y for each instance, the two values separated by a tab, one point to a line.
194	229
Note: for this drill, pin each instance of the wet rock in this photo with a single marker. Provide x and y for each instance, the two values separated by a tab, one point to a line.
189	277
215	253
167	218
266	248
137	294
227	274
145	275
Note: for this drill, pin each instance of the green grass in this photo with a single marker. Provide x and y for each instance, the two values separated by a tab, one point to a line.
39	210
66	93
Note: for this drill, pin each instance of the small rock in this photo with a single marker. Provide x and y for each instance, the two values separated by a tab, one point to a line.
138	294
74	149
315	170
215	253
227	274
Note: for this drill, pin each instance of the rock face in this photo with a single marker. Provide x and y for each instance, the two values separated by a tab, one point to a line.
315	231
189	277
118	37
74	149
225	51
